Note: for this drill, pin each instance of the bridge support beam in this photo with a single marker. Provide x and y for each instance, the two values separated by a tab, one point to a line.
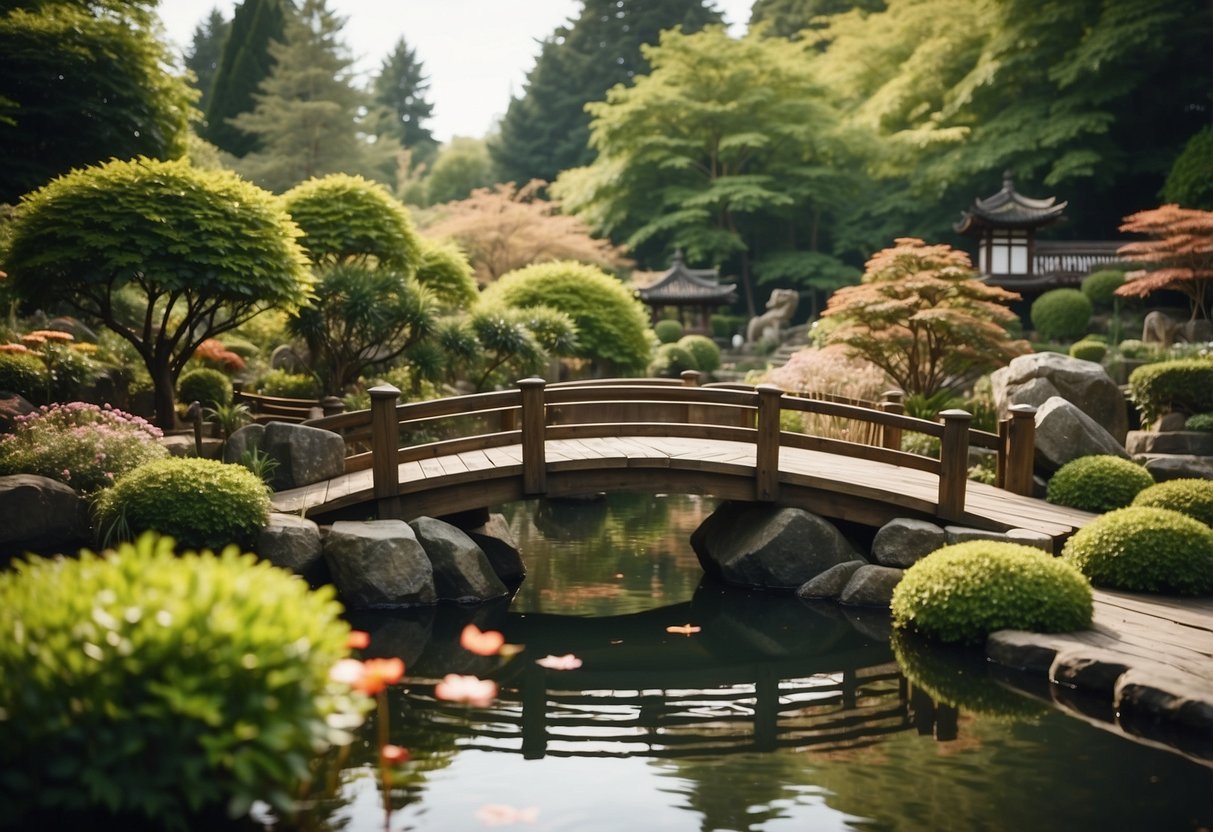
766	472
385	447
953	463
534	453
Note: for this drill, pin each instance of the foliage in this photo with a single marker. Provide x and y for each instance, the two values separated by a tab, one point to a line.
1089	350
22	372
81	445
1061	315
281	384
261	465
670	360
199	502
206	52
1190	182
229	417
922	315
205	250
360	317
667	331
505	228
305	120
964	592
215	354
1193	497
516	342
77	88
126	698
1201	422
545	130
400	91
445	272
1179	258
612	325
1098	483
1145	549
462	166
1100	287
208	387
788	18
243	64
347	219
704	350
1185	384
830	372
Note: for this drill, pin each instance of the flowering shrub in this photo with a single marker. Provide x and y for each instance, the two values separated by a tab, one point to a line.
831	372
215	354
79	444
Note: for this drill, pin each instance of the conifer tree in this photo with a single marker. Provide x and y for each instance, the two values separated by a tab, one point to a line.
400	90
206	50
246	62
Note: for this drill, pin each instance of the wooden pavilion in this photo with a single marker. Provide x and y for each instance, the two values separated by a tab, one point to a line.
693	293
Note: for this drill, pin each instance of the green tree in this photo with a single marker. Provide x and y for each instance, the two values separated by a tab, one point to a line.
546	129
444	270
205	53
81	83
400	90
462	166
206	250
788	18
516	342
1190	182
245	62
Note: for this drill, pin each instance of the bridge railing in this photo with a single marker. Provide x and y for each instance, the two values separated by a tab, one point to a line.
536	412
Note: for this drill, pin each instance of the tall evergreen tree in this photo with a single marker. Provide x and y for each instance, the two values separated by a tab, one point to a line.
305	120
246	62
206	50
400	90
788	18
546	130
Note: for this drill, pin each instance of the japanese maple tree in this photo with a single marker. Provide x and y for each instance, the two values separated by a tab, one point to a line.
1178	258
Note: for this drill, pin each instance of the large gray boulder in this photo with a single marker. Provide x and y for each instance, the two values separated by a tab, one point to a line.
292	543
1164	467
830	583
871	586
1192	442
242	441
903	541
1064	432
760	545
41	515
378	564
12	405
1036	378
304	454
498	544
462	572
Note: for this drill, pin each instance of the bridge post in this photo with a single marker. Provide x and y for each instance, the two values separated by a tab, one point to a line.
1017	455
534	461
892	401
953	463
690	378
385	446
766	470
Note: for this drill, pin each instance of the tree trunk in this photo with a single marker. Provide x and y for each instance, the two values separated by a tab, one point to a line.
165	397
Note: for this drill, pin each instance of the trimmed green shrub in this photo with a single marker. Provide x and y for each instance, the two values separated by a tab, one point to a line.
1097	483
446	272
668	331
670	360
144	689
200	502
964	592
1185	384
1100	287
704	350
1201	422
1061	315
1189	496
81	445
1145	549
1089	350
1135	349
726	326
286	385
211	388
24	374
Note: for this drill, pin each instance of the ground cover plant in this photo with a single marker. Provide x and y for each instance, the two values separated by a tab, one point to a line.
964	592
1185	384
1097	483
1145	549
1189	496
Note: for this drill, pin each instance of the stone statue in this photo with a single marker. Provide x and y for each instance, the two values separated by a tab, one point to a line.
781	306
1159	328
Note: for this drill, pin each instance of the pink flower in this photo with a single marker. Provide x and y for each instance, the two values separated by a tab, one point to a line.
394	754
370	676
566	662
469	689
683	629
499	814
481	642
346	671
357	640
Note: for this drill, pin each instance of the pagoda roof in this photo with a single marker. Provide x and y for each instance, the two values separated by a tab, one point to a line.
1009	209
682	285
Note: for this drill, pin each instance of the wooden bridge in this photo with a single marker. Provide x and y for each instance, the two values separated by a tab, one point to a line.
456	454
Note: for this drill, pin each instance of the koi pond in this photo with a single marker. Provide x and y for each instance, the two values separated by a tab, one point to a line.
757	712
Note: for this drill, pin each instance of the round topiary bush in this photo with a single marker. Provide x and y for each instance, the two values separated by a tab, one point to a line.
964	592
705	351
1097	483
1145	549
200	502
1184	384
1192	497
209	387
1100	287
1201	422
668	331
149	690
670	360
22	372
1061	315
1089	350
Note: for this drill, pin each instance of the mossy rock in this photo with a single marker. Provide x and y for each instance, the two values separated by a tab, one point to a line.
1145	549
1098	483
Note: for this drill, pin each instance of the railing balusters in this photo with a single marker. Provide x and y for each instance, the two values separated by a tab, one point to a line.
534	457
953	463
385	444
766	471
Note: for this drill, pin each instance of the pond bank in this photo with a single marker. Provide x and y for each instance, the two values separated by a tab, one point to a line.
1147	661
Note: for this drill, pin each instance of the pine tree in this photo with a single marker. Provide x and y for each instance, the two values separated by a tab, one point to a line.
401	89
305	120
546	130
206	50
246	62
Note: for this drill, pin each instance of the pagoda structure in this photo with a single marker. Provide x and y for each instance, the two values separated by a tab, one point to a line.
693	293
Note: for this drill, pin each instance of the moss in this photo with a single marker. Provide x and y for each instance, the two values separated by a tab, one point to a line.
1192	497
964	592
1144	549
1098	483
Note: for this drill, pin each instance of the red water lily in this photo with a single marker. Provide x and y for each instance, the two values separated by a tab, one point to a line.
566	662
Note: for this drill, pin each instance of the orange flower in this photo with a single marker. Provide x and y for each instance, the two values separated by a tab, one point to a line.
683	629
378	674
357	640
394	754
469	689
481	642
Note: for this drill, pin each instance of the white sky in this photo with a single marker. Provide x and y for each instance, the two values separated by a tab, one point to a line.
476	52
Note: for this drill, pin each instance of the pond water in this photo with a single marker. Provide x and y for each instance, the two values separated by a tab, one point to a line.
775	715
